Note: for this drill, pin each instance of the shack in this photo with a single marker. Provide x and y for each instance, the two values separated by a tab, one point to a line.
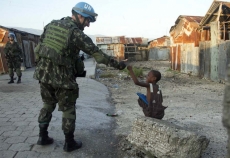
159	49
112	46
214	46
122	48
26	41
185	37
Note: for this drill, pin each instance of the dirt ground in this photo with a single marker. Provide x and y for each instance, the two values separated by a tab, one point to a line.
193	103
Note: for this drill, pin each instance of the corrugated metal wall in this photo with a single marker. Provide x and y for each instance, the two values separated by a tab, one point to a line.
205	35
181	35
141	55
224	59
3	64
157	53
201	52
3	40
185	58
119	51
205	59
209	60
27	55
190	59
220	60
115	50
214	50
175	54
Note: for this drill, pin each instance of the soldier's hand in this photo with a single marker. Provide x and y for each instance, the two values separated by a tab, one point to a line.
121	65
118	65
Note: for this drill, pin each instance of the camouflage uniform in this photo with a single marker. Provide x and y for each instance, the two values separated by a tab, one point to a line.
13	55
56	71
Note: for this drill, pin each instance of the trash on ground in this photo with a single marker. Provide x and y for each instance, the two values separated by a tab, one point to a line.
112	115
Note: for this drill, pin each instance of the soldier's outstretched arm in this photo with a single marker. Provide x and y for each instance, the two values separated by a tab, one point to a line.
86	44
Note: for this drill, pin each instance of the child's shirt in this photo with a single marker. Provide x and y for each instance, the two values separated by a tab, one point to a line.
153	107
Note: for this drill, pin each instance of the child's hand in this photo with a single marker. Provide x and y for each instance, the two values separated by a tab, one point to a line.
129	67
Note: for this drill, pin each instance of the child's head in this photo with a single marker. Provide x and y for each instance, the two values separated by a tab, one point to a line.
153	76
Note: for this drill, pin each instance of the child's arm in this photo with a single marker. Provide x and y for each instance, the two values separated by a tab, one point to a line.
135	80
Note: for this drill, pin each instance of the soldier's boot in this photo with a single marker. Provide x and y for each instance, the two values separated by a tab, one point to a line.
70	143
19	79
44	139
11	80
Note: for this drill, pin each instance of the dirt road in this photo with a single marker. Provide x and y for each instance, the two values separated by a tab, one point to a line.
194	103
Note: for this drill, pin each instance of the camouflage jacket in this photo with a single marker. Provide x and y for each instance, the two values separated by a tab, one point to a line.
12	51
64	76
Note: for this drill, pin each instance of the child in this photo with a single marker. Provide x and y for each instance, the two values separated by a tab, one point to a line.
152	102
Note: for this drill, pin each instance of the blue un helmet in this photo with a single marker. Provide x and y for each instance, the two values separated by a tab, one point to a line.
85	10
11	35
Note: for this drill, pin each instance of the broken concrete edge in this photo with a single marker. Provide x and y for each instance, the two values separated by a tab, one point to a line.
161	138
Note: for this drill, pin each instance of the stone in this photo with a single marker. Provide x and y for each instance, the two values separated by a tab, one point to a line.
15	139
20	147
8	154
23	154
163	139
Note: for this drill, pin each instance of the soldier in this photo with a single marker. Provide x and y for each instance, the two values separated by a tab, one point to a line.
57	65
13	56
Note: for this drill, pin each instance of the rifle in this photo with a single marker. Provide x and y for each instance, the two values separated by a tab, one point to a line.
9	56
80	68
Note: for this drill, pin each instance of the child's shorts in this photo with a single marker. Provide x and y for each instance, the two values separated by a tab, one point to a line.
143	98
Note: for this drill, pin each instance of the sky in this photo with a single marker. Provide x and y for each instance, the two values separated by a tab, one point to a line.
131	18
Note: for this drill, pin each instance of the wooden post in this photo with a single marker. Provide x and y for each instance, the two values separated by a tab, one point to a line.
218	18
224	31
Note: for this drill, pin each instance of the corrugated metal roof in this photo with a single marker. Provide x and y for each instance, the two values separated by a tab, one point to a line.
189	18
103	40
110	40
162	41
16	30
195	20
136	40
211	14
122	40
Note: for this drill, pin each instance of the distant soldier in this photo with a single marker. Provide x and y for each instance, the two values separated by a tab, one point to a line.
13	56
58	65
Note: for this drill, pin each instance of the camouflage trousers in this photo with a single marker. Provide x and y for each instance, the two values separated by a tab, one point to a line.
66	99
14	65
